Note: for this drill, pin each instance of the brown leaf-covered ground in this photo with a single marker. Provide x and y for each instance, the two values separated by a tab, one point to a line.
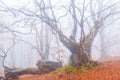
109	70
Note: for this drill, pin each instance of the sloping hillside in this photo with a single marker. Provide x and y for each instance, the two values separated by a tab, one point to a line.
110	59
108	70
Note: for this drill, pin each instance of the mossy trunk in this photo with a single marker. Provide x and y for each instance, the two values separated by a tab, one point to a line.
79	56
80	52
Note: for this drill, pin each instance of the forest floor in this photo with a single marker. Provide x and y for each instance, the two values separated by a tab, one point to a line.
108	70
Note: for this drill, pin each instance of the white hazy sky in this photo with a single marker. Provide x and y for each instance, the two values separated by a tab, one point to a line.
21	2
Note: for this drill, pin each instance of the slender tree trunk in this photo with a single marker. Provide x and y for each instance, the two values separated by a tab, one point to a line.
103	45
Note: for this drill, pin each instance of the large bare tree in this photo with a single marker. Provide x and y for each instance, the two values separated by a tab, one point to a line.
87	18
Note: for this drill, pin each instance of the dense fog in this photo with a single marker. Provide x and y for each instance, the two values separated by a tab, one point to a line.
23	39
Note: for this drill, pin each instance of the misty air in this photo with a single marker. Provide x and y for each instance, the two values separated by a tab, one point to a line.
59	40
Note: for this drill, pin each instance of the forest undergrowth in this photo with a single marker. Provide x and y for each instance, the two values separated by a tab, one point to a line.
109	70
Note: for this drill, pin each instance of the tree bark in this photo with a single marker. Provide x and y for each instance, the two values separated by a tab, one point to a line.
79	55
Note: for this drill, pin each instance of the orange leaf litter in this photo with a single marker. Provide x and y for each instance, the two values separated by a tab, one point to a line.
106	71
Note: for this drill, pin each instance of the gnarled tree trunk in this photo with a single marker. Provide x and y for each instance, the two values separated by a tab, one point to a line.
79	54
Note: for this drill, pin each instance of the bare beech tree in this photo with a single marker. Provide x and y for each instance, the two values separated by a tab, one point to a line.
87	18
